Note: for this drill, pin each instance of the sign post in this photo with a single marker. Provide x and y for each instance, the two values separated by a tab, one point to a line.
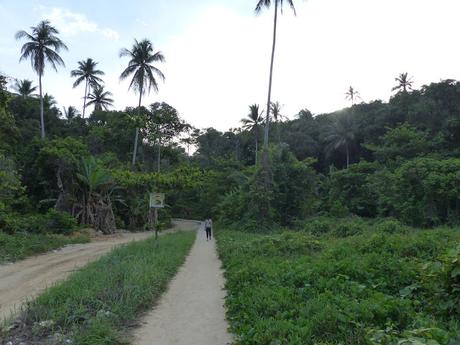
156	201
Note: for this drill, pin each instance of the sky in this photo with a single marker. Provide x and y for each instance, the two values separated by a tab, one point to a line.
218	51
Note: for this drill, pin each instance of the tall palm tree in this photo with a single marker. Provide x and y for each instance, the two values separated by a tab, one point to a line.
252	123
42	45
140	65
277	116
87	72
100	98
341	134
260	5
404	83
352	95
24	88
70	112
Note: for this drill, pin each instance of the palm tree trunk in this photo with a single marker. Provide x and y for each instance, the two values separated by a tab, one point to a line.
159	150
42	117
257	143
84	98
136	138
257	148
348	155
278	132
267	121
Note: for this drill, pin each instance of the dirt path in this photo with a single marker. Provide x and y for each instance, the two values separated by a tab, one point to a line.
25	279
191	312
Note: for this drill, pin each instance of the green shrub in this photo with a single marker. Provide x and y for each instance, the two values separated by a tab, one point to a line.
391	226
53	222
338	210
349	190
59	222
348	229
441	283
317	227
257	206
19	246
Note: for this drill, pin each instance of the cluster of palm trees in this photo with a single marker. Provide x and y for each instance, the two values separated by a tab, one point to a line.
88	73
43	47
342	132
255	120
404	85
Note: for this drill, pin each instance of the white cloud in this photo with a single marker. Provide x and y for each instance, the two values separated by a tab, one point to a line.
72	23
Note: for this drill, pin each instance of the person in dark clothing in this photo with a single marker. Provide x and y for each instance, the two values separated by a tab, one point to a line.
208	228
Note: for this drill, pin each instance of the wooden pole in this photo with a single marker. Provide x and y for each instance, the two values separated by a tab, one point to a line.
155	221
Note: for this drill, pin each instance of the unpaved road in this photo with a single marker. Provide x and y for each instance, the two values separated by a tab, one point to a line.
191	312
25	279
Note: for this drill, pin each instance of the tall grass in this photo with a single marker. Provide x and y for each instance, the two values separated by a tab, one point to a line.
18	246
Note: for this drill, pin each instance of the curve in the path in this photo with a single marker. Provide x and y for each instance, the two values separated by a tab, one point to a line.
25	279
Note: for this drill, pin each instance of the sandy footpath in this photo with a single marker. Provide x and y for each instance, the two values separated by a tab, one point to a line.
191	312
25	279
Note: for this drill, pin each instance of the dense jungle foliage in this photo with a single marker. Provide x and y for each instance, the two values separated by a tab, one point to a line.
403	162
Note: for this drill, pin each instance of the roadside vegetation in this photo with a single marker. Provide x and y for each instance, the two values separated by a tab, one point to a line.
94	304
343	282
20	246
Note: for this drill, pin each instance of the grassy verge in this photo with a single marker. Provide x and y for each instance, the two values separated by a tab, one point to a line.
103	297
18	246
351	283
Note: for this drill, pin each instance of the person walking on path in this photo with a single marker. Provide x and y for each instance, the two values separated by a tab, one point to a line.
208	228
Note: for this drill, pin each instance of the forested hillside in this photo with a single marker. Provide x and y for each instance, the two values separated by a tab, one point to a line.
402	159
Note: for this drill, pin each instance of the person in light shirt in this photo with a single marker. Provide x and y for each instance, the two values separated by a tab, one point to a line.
208	228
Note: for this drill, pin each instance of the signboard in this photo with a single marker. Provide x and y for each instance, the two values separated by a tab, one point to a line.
157	200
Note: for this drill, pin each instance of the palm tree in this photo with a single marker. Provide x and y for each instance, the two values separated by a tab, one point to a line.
141	67
24	88
87	72
237	132
70	112
260	5
277	116
96	205
351	95
49	101
404	83
252	123
42	45
341	135
100	98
